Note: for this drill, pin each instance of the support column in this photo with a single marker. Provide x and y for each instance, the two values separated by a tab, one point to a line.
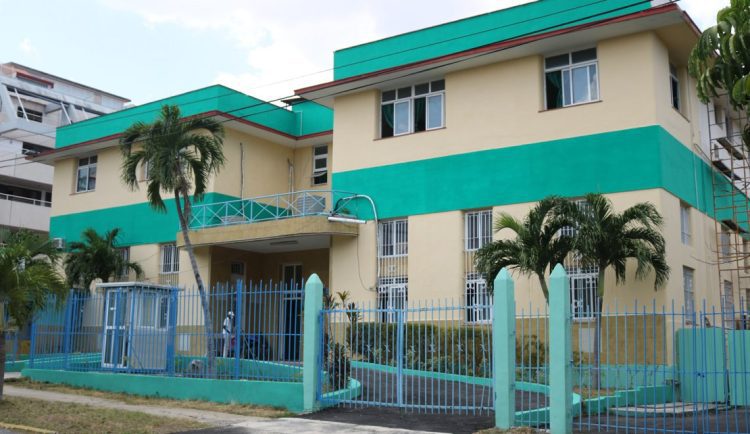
504	349
561	355
312	343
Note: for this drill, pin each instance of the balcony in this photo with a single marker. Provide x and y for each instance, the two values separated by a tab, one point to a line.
23	212
269	208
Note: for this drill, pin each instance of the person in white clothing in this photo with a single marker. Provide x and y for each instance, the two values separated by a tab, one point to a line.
226	332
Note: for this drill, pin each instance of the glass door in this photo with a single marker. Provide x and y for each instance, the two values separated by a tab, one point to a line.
114	346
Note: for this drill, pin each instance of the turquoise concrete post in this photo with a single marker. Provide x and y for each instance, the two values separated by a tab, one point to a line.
561	356
311	342
504	349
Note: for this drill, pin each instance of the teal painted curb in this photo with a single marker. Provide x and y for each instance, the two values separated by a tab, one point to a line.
646	395
268	393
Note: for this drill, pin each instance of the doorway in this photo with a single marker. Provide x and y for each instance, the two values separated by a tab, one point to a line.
291	312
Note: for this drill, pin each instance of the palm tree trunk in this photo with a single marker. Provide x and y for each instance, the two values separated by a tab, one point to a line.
2	361
208	323
598	328
545	290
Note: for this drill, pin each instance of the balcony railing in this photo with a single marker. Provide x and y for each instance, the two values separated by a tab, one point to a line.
272	207
30	201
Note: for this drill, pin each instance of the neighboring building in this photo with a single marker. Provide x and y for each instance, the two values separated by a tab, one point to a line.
435	132
32	105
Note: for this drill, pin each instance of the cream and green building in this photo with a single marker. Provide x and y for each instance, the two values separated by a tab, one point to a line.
385	180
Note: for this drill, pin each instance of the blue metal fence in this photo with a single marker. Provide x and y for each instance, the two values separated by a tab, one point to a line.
137	328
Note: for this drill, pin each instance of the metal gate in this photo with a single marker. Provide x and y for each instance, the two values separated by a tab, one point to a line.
423	357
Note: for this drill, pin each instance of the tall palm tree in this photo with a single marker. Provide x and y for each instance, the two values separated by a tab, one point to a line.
28	276
609	239
537	247
96	257
182	154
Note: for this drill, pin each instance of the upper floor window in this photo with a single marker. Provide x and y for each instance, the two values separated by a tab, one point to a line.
571	78
29	114
147	169
685	229
320	165
86	175
412	109
674	86
477	229
393	237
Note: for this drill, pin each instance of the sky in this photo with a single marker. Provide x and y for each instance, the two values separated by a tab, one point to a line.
150	49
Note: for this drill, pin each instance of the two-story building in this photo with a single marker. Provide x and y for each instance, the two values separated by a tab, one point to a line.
434	132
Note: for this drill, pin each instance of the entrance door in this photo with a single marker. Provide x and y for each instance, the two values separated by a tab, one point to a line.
115	343
291	312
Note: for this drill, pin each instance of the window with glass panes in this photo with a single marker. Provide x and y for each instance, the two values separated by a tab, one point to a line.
392	297
689	291
571	78
393	238
412	109
86	174
170	259
674	86
478	299
685	230
477	229
320	165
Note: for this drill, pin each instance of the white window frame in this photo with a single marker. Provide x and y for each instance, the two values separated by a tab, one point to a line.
478	300
393	296
389	238
569	68
169	262
686	230
727	303
580	311
688	288
86	165
725	239
158	312
482	221
318	172
674	86
409	102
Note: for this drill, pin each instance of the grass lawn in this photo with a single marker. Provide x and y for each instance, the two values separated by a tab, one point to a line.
74	418
238	409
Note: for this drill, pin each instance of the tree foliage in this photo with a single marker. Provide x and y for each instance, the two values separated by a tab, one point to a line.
96	257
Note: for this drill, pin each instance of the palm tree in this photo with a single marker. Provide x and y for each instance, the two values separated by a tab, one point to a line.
182	154
28	276
609	240
537	247
97	257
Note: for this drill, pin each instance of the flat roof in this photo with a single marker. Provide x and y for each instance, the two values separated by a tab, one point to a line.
55	77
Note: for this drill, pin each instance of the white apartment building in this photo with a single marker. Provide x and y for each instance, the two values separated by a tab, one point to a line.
32	105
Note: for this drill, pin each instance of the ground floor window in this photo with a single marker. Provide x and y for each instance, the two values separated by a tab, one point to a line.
583	295
689	290
392	297
478	299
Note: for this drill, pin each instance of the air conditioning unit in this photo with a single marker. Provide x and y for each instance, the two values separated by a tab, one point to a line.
58	243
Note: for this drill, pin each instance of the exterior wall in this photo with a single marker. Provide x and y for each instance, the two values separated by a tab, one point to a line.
436	252
501	105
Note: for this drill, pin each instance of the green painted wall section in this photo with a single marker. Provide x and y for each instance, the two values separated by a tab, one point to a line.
139	223
268	393
308	119
701	363
533	18
738	342
619	161
623	376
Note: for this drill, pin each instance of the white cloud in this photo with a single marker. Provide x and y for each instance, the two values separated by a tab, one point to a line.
27	48
284	39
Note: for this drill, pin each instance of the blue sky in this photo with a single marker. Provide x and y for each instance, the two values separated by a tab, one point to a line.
150	49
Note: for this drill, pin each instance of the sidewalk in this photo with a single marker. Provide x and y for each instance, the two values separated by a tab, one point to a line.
222	422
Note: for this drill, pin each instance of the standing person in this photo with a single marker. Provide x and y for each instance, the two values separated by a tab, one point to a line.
226	332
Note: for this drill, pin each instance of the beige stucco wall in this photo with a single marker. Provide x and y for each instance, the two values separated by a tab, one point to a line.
502	105
436	259
266	172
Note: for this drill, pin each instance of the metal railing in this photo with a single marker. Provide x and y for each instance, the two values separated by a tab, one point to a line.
157	330
28	200
271	207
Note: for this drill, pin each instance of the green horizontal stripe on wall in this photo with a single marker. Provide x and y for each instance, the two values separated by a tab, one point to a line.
138	223
457	36
620	161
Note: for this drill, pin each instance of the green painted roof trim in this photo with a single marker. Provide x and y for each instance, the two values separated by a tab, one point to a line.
525	20
628	160
138	223
303	119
